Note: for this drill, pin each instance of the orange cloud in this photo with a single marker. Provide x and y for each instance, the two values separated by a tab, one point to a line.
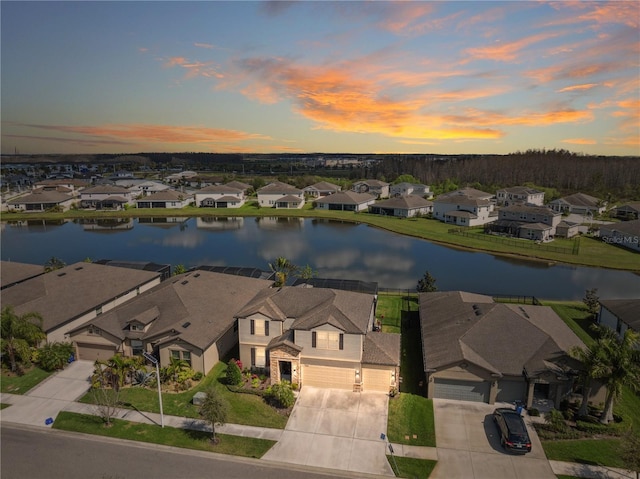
507	52
599	13
194	69
580	141
583	87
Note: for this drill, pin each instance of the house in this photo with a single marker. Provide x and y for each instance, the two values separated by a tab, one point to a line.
106	197
320	189
379	189
220	196
580	204
239	185
73	184
140	188
567	229
406	189
477	350
12	273
189	317
403	207
345	201
519	195
318	337
526	221
465	207
280	195
165	199
620	314
629	211
42	199
625	234
180	177
71	296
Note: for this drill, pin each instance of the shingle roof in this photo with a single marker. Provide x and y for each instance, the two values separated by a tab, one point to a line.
542	210
105	190
346	198
238	185
580	199
627	310
374	183
285	339
167	195
289	199
12	272
220	189
405	202
279	187
520	190
41	196
323	186
382	349
466	192
627	227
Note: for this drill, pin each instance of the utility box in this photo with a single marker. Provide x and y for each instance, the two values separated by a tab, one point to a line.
198	398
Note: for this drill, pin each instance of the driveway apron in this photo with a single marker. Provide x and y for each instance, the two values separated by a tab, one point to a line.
336	429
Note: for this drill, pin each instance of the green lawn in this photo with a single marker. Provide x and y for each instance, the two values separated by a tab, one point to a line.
411	415
168	436
246	409
22	384
602	452
4	405
392	308
411	468
576	316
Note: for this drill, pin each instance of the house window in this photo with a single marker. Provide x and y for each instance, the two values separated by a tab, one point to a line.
258	357
135	327
94	330
259	327
183	355
136	347
327	340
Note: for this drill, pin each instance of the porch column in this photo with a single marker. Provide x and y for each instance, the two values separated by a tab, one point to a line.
530	394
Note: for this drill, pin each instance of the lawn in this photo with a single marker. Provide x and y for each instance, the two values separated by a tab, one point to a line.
393	307
247	409
411	420
411	468
21	384
604	452
168	436
576	316
4	405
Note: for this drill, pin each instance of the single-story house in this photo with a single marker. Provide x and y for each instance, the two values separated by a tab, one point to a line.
477	350
106	197
628	211
165	199
12	273
465	207
220	196
189	317
405	189
625	234
320	189
140	187
42	199
620	314
280	195
182	176
567	229
318	337
345	201
403	206
380	189
72	183
579	203
71	296
519	195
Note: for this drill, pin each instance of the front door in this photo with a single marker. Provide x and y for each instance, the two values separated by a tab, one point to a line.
285	371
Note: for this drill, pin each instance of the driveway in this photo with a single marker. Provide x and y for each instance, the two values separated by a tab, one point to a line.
49	397
468	445
336	429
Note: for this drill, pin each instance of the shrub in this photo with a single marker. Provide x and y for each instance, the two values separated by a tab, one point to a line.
534	412
255	383
198	376
234	376
282	394
54	356
555	421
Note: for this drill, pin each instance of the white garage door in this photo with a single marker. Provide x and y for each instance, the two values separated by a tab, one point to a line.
376	379
91	352
477	391
327	377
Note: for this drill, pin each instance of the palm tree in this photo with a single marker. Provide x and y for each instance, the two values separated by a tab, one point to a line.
592	360
175	366
282	267
53	263
19	332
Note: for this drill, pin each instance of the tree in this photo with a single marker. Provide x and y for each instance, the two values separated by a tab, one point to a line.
234	375
592	360
179	269
214	409
427	284
282	267
55	355
19	333
53	264
306	273
592	301
106	394
176	365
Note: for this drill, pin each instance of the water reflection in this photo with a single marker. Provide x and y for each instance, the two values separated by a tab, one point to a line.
36	226
213	223
107	225
279	223
165	222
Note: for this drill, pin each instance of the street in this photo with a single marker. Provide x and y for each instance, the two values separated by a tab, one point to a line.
49	454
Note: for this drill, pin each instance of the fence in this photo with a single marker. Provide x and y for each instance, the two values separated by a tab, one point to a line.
498	298
518	243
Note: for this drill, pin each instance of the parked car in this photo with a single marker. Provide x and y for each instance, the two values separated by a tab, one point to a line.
513	432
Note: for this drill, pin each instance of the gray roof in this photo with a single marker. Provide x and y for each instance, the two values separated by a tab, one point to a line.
626	310
535	226
631	206
69	292
41	196
285	339
105	190
626	227
323	186
167	195
12	273
312	307
405	202
279	187
539	210
238	185
220	189
461	214
501	338
382	349
466	192
579	199
346	198
373	183
289	199
520	190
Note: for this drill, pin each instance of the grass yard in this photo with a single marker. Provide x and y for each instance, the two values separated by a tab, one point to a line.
602	452
247	409
411	468
411	415
21	384
576	316
392	308
168	436
4	405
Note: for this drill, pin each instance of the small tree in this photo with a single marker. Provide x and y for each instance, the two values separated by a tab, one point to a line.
19	333
234	375
53	264
214	409
306	273
555	420
179	269
106	400
592	301
282	394
282	267
427	284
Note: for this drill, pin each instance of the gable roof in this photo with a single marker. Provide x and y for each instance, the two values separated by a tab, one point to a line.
631	228
405	202
538	210
278	187
372	183
238	185
220	189
471	193
106	190
579	199
323	186
626	310
41	196
12	273
166	195
381	348
346	198
520	190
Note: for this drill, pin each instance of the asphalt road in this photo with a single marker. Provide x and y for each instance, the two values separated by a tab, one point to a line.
50	454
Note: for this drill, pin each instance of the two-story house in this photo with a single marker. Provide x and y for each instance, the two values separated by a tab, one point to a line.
220	196
280	195
465	207
104	197
527	221
620	314
406	189
318	337
379	189
519	195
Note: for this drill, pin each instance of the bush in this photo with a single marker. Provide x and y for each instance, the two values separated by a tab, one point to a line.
234	375
617	428
198	376
282	394
534	412
54	356
555	421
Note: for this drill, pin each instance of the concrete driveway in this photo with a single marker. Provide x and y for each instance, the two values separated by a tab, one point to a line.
468	445
336	429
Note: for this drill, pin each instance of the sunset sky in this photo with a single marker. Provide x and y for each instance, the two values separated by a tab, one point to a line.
361	77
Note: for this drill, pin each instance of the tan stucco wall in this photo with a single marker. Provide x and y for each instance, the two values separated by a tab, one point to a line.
197	361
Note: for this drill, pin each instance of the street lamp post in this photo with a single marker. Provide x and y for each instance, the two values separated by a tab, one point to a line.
151	357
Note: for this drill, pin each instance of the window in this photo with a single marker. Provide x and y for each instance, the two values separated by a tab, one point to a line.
94	330
175	354
135	327
183	355
327	340
136	347
259	327
258	358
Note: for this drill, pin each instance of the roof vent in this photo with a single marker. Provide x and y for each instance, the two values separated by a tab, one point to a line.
184	282
62	274
78	268
197	275
478	312
186	325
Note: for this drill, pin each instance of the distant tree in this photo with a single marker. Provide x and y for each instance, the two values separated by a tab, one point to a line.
257	183
592	301
19	333
306	272
214	409
53	264
282	267
87	260
406	179
179	269
427	284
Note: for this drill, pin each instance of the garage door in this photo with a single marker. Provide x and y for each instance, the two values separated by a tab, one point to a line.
376	379
510	391
327	377
477	391
91	352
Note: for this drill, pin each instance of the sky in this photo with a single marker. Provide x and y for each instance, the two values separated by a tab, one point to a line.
451	77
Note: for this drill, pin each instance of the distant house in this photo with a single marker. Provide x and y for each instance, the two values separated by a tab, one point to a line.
625	234
180	177
345	201
142	187
620	314
465	207
320	189
527	221
403	206
42	199
220	196
566	229
578	203
628	211
519	195
406	189
280	195
239	185
165	199
73	184
106	197
379	189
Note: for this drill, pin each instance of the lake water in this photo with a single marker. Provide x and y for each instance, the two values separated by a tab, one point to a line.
334	249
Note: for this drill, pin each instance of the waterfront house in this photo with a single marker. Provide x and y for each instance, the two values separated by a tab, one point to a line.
280	195
526	221
406	189
465	207
165	199
626	234
345	201
403	207
620	314
320	189
628	211
43	199
579	203
220	196
106	197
